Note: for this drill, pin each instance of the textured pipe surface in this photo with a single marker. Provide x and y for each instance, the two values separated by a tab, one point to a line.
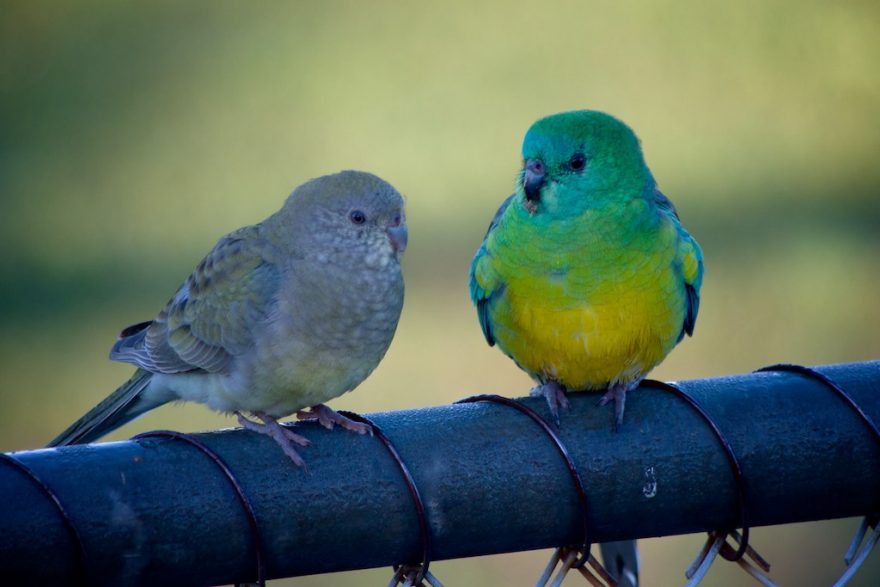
157	511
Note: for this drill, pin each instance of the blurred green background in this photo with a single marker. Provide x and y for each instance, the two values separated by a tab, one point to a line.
133	135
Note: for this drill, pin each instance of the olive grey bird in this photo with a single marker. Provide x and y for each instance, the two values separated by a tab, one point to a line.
279	317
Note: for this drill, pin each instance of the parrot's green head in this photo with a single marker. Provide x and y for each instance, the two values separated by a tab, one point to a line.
578	160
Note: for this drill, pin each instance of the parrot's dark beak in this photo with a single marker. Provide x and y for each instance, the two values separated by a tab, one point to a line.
398	235
533	179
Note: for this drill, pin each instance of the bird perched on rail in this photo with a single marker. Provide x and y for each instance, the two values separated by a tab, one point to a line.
586	277
280	316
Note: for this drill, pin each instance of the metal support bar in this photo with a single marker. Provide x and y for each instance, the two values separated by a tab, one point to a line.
155	511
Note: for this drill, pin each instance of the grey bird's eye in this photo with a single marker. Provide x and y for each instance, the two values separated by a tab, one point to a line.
357	217
577	162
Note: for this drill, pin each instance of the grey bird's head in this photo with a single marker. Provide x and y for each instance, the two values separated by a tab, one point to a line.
348	217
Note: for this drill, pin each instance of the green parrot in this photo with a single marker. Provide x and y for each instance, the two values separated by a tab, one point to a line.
586	277
278	317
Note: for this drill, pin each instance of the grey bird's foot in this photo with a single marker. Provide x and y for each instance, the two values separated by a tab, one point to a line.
285	437
328	417
616	392
554	393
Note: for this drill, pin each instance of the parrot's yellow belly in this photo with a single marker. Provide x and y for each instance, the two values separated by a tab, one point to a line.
617	333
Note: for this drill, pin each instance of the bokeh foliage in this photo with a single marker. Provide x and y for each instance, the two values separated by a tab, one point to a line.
133	134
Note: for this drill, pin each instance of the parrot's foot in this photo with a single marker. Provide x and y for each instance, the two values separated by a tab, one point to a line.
554	393
285	437
328	417
616	392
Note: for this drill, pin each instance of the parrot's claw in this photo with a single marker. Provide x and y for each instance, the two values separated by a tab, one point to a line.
328	417
554	393
616	392
285	437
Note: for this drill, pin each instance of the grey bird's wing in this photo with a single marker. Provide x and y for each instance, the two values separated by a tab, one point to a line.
211	318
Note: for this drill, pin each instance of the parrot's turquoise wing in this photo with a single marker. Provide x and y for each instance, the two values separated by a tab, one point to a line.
692	268
210	318
691	258
482	284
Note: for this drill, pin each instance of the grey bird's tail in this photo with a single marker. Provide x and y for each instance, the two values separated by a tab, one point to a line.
120	407
622	561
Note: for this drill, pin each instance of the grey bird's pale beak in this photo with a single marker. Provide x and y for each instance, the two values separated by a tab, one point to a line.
398	236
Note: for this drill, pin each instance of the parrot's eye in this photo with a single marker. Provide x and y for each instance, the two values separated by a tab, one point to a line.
577	162
396	220
357	217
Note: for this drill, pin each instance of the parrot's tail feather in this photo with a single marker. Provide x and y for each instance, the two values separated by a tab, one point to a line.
622	561
120	407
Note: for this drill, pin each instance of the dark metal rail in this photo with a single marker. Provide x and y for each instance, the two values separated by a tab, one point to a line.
159	511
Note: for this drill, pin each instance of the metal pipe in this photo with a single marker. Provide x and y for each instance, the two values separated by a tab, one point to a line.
157	511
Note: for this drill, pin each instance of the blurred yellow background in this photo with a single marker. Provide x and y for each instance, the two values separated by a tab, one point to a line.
133	135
